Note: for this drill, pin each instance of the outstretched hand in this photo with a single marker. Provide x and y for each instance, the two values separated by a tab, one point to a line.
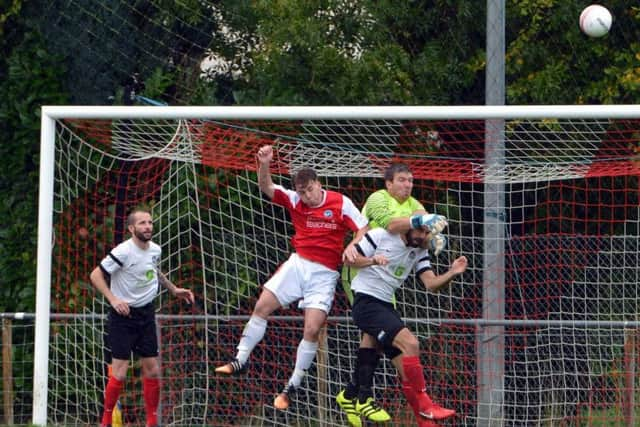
184	294
459	265
433	223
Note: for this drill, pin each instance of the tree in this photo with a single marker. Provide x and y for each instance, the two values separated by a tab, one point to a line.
549	61
284	52
29	78
370	53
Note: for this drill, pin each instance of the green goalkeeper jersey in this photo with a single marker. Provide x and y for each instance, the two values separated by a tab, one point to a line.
380	208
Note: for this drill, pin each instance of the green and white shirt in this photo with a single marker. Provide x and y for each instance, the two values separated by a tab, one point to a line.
380	208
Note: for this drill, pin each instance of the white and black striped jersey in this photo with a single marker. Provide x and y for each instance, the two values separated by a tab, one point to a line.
134	272
381	281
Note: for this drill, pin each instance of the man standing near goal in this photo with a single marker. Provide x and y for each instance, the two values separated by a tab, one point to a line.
386	261
397	211
321	220
134	275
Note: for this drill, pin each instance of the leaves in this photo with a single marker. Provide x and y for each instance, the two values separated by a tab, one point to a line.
284	52
31	79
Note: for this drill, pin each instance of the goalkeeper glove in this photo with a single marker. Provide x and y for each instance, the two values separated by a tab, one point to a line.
437	243
433	222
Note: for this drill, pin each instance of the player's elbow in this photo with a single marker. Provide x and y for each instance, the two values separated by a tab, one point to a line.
430	284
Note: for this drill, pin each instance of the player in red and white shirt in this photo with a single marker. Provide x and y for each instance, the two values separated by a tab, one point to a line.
321	220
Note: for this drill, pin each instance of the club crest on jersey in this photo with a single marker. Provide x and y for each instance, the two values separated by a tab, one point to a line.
327	213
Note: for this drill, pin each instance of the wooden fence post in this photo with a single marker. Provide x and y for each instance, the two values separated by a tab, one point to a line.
7	371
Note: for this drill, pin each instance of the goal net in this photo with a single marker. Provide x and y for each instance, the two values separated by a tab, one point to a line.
542	201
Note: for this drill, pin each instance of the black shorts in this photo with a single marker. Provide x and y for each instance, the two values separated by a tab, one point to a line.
377	318
135	333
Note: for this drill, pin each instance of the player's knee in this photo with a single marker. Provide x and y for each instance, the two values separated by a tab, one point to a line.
368	341
261	312
119	377
119	369
151	373
408	344
266	304
150	368
312	332
412	347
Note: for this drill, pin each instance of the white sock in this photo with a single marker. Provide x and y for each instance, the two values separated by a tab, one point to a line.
252	334
304	357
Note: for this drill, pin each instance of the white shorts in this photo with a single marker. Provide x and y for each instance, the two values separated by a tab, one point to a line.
309	281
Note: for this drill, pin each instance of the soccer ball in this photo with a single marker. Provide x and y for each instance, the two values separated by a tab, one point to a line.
595	20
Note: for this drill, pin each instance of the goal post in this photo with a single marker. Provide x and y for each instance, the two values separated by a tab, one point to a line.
569	256
43	271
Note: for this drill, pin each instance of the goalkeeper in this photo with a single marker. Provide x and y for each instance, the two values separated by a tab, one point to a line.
390	208
397	211
385	261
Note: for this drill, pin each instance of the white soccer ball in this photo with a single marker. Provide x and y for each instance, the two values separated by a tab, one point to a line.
595	20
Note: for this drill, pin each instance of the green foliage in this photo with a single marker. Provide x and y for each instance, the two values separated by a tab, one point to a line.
366	53
432	53
319	52
29	79
7	13
105	43
549	61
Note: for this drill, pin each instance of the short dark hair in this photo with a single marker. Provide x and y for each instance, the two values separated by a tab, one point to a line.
304	176
131	217
394	168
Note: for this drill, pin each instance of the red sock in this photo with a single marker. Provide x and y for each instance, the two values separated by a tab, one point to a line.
151	392
414	372
410	394
111	394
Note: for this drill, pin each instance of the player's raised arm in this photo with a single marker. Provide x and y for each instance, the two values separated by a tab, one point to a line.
433	282
265	155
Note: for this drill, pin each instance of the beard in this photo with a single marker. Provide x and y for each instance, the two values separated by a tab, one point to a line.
143	236
415	242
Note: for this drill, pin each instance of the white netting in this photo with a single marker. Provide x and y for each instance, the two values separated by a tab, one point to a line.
568	222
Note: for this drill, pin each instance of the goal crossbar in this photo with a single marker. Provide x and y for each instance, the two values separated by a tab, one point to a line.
494	218
344	112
